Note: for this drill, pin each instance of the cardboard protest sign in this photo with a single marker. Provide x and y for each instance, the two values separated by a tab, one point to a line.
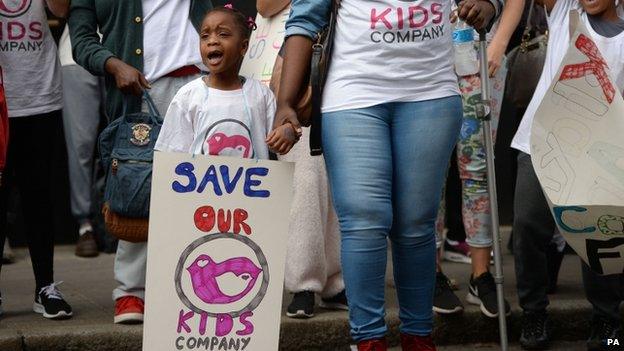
216	253
577	151
266	42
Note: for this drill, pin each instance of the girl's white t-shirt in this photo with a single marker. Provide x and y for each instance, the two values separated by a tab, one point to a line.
231	123
612	50
390	50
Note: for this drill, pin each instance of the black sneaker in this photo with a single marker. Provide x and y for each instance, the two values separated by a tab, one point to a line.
50	303
444	299
482	292
535	334
302	305
602	330
336	302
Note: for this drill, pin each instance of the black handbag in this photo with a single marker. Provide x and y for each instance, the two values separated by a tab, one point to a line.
525	63
319	66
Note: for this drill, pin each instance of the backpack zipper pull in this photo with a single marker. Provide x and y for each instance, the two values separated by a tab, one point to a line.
114	165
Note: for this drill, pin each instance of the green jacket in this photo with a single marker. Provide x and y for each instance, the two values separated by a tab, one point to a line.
121	25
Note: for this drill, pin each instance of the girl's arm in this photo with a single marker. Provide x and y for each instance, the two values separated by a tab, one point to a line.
59	8
270	8
512	12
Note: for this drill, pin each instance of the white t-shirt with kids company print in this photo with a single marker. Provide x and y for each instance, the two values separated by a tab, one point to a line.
612	49
231	123
28	57
390	50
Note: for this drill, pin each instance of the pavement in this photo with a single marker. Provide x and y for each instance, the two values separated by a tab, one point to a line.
88	284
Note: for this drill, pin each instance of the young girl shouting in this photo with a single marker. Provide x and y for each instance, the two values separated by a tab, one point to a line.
222	113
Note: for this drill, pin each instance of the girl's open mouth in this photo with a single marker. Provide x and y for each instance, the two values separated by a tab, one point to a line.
215	58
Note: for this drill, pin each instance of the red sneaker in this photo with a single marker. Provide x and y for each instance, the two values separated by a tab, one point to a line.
417	343
373	345
128	310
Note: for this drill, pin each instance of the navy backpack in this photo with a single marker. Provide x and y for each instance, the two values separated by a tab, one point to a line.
126	151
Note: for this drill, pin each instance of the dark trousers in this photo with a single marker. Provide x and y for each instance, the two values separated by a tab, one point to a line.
29	169
605	293
533	230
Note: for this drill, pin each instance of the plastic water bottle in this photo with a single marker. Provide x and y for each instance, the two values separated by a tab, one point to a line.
466	62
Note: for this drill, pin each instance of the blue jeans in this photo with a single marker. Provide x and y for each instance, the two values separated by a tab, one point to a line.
386	167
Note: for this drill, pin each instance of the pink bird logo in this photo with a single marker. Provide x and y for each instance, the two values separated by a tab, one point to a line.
204	272
220	142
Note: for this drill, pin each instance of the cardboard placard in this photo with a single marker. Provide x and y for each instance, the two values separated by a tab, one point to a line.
266	42
216	253
577	150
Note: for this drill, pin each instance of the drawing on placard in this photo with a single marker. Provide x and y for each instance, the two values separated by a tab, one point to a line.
605	191
586	86
214	285
559	174
573	136
610	158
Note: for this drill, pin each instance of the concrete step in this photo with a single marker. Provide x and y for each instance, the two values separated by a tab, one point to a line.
89	282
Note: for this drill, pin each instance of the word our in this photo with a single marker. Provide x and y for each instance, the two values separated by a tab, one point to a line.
227	221
221	180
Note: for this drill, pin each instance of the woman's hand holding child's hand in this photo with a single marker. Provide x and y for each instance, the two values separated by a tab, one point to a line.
283	138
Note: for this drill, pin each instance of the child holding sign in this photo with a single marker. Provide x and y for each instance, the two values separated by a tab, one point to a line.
224	114
533	224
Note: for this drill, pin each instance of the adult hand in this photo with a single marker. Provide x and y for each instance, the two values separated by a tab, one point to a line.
286	114
476	13
128	79
495	58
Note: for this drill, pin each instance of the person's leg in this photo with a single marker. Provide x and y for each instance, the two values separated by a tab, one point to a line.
306	269
5	190
31	136
358	156
606	294
453	216
335	280
471	161
423	136
533	230
130	263
81	118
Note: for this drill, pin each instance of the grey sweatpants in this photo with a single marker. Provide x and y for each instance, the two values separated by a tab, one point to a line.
83	95
131	259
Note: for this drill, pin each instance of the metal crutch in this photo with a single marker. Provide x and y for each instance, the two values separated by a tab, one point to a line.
486	120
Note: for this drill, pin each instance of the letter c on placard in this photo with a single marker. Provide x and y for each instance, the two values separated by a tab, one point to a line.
559	210
179	343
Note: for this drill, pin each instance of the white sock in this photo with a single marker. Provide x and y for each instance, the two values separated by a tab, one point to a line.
85	227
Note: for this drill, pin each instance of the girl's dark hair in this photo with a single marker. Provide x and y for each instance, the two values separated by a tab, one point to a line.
245	24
